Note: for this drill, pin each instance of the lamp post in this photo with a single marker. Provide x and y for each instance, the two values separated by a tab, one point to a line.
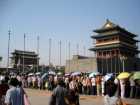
60	43
23	54
69	46
122	59
123	65
107	63
102	63
111	63
38	53
115	60
9	33
50	41
84	48
77	47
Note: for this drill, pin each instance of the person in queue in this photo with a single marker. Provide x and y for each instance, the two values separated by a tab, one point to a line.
11	97
110	98
59	94
3	89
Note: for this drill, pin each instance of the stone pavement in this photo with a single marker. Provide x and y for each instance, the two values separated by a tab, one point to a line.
41	97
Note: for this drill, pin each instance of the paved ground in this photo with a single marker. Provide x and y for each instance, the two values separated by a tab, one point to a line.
38	97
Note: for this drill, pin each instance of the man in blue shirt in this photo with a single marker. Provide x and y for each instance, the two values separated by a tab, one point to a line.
11	97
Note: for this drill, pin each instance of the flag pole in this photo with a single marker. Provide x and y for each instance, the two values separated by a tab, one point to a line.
84	50
102	62
38	52
111	63
9	34
24	53
50	41
69	46
77	47
60	43
107	63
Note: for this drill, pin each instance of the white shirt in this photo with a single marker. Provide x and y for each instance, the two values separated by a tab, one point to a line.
2	77
93	81
132	82
72	85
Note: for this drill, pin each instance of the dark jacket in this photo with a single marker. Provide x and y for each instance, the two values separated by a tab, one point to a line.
58	96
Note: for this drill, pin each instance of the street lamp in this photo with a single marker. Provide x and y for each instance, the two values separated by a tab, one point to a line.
60	43
24	54
38	53
122	59
9	33
107	63
69	46
50	47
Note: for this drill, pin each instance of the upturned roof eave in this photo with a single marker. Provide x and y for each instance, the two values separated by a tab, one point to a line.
101	30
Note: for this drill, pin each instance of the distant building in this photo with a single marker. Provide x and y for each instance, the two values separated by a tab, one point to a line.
24	59
116	49
81	63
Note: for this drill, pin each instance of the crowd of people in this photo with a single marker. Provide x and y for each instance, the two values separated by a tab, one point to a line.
70	86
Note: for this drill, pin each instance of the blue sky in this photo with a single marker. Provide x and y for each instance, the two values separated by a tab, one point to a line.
66	20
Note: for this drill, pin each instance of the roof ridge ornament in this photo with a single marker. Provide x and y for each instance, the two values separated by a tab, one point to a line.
107	20
109	24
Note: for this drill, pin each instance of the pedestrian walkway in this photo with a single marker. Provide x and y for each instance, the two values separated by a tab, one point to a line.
41	97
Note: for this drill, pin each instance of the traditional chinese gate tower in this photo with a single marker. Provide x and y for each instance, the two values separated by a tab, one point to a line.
116	49
24	59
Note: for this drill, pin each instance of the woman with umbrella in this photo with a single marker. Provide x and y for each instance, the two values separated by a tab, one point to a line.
122	77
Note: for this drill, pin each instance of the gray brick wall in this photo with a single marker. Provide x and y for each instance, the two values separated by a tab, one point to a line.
83	65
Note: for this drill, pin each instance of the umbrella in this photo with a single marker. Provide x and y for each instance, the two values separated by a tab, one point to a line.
38	73
67	74
59	73
108	76
30	74
44	75
51	72
136	75
93	74
123	75
75	73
